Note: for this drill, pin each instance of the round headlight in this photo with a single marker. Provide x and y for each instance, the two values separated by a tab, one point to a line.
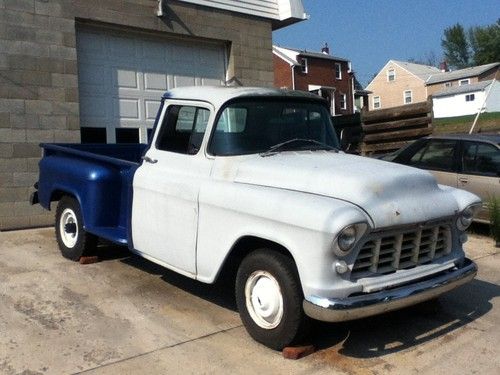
465	219
347	238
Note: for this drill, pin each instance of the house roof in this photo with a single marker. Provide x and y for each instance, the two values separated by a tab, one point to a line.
421	71
461	74
290	55
464	89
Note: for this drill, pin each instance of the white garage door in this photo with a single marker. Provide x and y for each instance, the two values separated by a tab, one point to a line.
122	77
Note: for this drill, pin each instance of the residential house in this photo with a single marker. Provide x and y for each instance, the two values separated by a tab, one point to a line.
95	71
328	76
440	82
467	99
399	83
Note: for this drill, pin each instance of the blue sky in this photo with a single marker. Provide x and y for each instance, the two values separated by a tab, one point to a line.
371	32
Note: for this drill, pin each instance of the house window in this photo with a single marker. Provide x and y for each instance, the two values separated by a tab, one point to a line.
448	84
338	71
343	101
376	102
303	65
464	82
469	98
391	75
408	97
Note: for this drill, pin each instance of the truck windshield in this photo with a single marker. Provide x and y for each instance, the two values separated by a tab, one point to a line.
272	125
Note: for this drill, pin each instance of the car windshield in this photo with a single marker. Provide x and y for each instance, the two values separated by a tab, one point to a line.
268	126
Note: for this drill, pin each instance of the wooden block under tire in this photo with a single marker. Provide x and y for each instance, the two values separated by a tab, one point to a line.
297	352
89	260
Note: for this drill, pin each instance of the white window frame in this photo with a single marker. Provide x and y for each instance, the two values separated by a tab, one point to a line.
338	71
389	75
463	82
304	68
343	101
404	96
376	100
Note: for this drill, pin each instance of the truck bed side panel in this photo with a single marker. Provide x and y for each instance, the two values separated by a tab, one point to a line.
101	182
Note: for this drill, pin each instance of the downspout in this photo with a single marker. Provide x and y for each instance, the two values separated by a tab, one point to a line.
293	76
353	103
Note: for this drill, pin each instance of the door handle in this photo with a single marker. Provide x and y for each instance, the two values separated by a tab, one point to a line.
147	159
463	180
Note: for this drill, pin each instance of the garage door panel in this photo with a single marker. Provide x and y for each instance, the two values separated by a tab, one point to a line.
122	77
180	81
126	78
119	48
155	81
126	108
151	109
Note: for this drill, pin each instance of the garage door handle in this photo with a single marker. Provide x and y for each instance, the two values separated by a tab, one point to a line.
463	180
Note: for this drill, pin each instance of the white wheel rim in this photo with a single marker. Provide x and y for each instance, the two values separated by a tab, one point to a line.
264	300
68	237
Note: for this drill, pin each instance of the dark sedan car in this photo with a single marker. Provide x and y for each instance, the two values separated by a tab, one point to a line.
467	161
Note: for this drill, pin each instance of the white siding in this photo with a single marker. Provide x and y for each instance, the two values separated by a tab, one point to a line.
273	9
456	105
493	101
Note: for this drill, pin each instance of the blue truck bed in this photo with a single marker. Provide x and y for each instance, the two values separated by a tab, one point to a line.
100	177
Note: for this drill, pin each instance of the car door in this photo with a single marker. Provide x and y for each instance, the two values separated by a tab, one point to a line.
479	173
166	188
439	156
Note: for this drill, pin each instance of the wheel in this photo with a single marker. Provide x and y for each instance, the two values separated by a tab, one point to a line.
72	239
269	299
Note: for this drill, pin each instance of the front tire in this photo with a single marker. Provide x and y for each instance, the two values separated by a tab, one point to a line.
74	242
269	299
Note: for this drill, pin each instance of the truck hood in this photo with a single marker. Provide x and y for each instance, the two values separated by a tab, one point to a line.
391	194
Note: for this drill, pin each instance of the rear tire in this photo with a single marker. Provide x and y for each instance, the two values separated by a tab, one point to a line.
74	242
269	298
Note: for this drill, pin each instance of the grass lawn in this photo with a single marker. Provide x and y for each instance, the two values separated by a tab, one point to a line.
487	122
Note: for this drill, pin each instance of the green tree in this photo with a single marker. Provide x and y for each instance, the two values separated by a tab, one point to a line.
456	47
485	43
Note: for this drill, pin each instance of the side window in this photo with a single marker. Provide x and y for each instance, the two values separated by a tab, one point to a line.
480	158
438	155
182	129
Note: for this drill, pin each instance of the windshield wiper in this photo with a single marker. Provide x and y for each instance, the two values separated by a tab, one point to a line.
277	147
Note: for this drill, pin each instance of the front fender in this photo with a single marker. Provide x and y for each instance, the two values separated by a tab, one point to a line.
305	224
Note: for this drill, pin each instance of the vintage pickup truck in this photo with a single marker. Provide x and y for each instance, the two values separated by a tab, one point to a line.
251	180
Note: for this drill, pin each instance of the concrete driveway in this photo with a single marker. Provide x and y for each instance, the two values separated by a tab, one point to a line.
125	315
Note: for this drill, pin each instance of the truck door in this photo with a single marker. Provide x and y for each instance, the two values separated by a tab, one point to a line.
166	188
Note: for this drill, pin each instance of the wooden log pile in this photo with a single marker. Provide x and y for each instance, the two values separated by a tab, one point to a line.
387	130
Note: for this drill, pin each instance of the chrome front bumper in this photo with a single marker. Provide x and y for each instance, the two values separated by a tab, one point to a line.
350	308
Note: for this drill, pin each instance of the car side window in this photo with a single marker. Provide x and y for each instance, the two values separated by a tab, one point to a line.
480	158
436	155
182	129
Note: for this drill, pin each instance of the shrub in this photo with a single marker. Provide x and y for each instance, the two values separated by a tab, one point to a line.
494	208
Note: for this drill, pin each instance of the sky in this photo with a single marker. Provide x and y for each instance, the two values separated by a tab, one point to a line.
371	32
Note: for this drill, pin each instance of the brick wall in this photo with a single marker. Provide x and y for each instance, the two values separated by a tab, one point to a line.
39	78
282	73
322	73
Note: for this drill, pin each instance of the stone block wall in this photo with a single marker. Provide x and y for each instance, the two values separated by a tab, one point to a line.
39	75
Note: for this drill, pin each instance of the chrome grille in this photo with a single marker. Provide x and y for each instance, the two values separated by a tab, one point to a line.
386	252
